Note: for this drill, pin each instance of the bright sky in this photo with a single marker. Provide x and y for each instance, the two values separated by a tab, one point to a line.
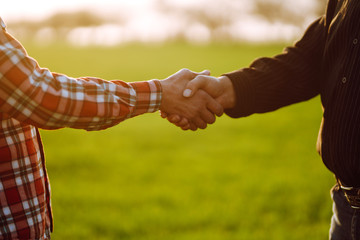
17	9
146	23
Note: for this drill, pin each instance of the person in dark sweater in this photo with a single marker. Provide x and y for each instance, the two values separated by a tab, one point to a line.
325	62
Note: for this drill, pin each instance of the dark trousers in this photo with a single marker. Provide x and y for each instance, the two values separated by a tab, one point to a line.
345	222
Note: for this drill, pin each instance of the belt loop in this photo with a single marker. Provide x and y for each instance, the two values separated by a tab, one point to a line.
352	195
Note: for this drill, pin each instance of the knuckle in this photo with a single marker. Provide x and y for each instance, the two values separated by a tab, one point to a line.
184	71
202	94
195	80
198	78
202	78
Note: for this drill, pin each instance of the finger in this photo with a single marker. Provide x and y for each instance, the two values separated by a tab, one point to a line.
187	127
215	107
183	122
194	85
163	114
204	72
199	123
194	74
193	127
174	118
208	117
186	73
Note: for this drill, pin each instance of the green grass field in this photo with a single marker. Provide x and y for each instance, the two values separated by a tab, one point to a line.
253	178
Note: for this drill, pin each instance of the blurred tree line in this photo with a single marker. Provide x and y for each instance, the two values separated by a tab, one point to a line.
220	14
216	17
278	10
59	23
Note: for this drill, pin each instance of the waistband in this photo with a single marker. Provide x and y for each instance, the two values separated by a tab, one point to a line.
352	194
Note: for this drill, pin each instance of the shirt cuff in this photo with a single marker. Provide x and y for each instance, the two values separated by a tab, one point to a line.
244	94
148	96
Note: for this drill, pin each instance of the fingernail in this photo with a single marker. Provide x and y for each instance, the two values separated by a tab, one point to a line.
187	93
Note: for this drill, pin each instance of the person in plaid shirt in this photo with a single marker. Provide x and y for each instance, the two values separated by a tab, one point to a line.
32	97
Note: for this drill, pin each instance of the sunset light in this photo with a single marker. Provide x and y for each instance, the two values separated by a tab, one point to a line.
156	21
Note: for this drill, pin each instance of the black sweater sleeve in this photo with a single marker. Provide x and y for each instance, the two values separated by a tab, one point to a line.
291	77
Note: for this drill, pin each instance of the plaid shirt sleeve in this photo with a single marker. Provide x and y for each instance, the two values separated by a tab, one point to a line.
48	100
32	97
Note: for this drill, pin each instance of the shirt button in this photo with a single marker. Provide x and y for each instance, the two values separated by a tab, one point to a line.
344	80
355	41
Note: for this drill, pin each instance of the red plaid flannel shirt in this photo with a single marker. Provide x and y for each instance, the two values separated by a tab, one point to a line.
32	97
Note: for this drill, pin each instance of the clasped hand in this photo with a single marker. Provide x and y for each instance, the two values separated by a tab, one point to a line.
193	100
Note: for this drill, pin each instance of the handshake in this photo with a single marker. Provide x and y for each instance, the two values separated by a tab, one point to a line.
192	100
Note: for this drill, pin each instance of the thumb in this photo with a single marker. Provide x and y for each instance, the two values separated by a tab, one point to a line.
194	85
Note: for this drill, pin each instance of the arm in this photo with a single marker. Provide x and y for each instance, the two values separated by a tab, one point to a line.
271	83
291	77
36	96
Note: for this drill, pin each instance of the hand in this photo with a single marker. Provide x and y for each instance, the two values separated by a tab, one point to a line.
199	110
219	88
178	121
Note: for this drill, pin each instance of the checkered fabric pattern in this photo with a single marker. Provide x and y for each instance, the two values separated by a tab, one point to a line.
32	97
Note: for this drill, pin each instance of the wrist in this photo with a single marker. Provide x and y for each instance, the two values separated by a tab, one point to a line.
228	98
169	92
164	93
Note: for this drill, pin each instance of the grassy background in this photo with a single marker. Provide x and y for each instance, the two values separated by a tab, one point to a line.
253	178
